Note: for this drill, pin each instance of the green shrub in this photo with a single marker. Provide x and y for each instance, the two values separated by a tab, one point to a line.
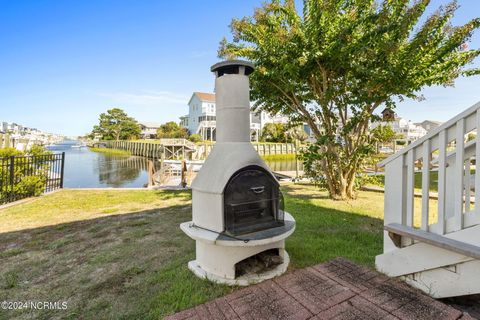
364	179
195	138
28	178
30	186
9	152
37	150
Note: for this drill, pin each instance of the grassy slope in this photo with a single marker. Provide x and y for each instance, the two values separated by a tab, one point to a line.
114	152
273	157
121	254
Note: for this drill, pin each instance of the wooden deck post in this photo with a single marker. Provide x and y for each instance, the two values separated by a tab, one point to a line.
395	197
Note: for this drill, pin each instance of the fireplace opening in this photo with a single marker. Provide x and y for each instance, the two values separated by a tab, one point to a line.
252	201
259	263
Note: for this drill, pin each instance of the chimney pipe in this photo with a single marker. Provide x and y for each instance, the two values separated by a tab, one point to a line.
232	91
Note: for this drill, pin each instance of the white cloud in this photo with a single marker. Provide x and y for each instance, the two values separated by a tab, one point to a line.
442	103
146	98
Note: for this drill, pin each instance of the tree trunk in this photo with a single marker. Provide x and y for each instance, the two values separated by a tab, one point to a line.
340	178
343	189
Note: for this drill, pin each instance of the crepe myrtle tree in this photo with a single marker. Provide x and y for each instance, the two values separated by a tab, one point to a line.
338	61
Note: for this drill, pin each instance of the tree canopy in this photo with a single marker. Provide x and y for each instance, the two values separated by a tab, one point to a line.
172	130
195	137
383	134
336	63
297	134
115	124
274	132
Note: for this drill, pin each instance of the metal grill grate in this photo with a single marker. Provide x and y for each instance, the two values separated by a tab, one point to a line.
253	201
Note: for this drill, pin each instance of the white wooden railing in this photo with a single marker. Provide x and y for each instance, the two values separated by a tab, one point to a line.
177	142
446	151
206	124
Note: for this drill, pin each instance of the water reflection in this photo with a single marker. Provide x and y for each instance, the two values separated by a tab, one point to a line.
116	171
87	169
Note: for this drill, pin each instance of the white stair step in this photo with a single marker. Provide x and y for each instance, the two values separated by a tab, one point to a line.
422	256
396	231
459	280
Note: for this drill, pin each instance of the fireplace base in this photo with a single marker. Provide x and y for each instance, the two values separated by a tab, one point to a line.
217	254
243	280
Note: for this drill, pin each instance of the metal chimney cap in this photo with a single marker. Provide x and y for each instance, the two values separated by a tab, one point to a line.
232	67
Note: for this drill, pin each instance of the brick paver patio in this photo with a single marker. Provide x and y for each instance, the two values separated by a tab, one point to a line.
338	289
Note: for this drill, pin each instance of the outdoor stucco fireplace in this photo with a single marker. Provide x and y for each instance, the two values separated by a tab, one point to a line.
238	220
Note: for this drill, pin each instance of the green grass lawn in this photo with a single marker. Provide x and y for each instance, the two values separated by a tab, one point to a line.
121	254
113	152
433	180
278	157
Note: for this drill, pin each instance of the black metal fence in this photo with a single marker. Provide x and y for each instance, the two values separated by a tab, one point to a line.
27	176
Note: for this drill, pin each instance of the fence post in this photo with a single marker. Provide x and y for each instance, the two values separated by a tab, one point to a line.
12	175
62	169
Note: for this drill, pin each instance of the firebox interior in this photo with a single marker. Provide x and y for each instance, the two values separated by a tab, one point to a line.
252	201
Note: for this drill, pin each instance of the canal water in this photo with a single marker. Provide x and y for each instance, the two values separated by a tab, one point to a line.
284	165
87	169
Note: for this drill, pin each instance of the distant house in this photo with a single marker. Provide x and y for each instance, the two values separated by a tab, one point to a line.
4	126
29	136
149	129
429	125
201	118
263	118
97	137
403	128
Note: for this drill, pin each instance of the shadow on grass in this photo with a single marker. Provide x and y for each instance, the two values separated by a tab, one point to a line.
317	194
122	266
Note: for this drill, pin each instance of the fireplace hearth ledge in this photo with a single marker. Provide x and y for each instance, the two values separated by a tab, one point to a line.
214	238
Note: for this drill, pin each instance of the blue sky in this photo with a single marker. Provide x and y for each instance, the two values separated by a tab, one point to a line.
62	63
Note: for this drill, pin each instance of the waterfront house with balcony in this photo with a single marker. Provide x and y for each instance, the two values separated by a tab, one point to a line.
149	129
201	118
